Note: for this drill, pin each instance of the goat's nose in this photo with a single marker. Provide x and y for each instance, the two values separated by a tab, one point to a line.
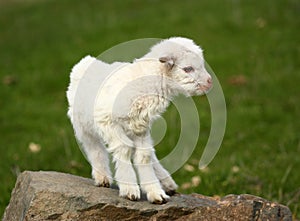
209	80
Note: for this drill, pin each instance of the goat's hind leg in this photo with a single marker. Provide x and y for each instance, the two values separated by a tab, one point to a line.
97	155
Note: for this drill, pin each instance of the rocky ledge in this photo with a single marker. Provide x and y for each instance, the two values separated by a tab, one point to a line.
60	196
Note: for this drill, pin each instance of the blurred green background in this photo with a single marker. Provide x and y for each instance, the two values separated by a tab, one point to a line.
252	46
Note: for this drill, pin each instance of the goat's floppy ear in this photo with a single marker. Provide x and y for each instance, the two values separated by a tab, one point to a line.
168	61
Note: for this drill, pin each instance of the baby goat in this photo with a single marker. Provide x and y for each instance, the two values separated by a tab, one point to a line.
112	107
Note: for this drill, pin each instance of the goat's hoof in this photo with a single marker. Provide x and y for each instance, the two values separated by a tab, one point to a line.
171	192
104	183
132	197
159	202
158	198
101	180
131	192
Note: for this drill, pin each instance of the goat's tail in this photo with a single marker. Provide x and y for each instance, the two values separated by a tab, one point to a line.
76	74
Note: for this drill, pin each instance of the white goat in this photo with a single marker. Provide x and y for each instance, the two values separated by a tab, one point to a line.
113	110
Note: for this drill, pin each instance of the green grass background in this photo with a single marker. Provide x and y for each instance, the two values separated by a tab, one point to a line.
252	46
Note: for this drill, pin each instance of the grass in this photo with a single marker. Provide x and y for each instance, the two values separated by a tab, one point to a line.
253	47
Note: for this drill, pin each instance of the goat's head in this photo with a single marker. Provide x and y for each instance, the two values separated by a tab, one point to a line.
185	65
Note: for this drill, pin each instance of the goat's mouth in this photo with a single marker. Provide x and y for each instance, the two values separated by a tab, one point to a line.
204	88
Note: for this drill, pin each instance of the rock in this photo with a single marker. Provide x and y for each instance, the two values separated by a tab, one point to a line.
59	196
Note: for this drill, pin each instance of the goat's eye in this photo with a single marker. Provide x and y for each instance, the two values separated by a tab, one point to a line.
188	69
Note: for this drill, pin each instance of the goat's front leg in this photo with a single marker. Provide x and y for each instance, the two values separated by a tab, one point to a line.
125	175
149	183
168	184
